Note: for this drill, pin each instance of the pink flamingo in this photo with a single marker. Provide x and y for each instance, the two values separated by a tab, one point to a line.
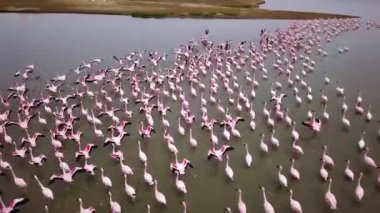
11	207
218	153
84	152
180	167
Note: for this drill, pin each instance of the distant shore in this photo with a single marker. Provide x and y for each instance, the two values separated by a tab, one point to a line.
222	9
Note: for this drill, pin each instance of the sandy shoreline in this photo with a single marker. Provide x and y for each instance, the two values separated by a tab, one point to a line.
159	9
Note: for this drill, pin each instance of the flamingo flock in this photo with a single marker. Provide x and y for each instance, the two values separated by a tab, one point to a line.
217	89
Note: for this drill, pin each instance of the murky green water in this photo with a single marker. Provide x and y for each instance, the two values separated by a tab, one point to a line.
58	48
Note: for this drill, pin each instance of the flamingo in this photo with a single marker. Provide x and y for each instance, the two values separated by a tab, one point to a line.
297	149
180	168
294	204
361	142
325	114
160	197
183	203
142	155
314	124
21	153
115	206
263	145
181	130
66	176
36	160
40	119
270	122
89	168
228	170
359	98
147	177
84	210
369	115
330	199
105	180
248	156
98	132
131	192
281	178
274	141
295	134
7	138
287	119
193	141
348	172
359	191
226	133
213	137
48	193
345	122
116	154
323	172
11	207
63	165
367	159
125	169
115	139
18	181
56	143
293	171
241	205
218	153
84	152
180	184
235	132
328	160
268	208
165	122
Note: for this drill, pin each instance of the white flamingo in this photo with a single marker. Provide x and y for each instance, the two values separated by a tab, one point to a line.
281	178
268	208
180	184
263	145
322	171
328	160
106	180
248	156
193	141
228	170
131	192
125	169
181	130
148	178
241	205
348	172
160	197
359	191
18	181
115	206
142	155
48	193
293	171
294	204
330	199
367	159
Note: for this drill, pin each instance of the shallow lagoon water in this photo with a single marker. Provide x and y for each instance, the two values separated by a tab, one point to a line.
58	48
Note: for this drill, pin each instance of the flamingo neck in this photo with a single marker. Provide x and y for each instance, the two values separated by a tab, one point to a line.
2	203
264	196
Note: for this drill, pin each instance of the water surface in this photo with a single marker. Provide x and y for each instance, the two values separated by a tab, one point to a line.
58	43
